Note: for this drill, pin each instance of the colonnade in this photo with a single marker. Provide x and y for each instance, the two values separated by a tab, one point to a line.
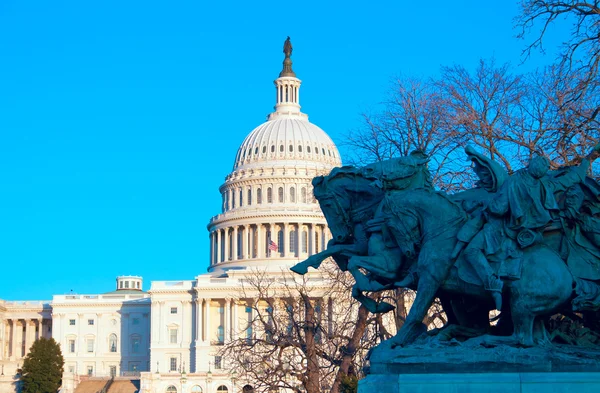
231	323
243	242
20	335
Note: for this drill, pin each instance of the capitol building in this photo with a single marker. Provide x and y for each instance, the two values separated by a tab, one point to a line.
166	335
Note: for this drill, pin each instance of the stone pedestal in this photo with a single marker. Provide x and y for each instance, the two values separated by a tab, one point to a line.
585	382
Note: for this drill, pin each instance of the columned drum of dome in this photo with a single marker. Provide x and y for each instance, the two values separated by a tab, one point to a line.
269	216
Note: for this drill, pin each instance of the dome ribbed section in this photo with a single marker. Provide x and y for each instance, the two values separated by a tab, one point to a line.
293	140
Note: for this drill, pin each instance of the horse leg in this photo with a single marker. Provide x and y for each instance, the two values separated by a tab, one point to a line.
523	322
413	326
370	304
540	334
316	260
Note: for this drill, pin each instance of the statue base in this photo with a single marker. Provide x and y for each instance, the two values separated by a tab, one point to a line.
584	382
471	357
468	367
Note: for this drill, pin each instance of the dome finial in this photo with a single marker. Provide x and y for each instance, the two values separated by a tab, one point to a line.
287	62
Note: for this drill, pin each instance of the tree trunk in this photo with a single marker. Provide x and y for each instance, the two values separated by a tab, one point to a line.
351	348
312	380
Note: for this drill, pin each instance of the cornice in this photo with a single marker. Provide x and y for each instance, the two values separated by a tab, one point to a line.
98	305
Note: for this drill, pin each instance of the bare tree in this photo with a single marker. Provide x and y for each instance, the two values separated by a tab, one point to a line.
577	69
302	333
581	50
413	118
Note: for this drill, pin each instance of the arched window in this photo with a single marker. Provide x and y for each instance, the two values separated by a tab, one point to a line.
247	389
292	241
280	193
303	195
272	148
112	343
241	197
323	150
293	194
196	389
256	150
308	149
300	148
259	196
281	148
222	389
171	389
304	241
291	148
264	149
317	149
233	199
269	195
249	200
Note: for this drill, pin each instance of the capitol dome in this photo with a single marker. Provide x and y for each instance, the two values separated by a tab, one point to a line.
269	216
294	140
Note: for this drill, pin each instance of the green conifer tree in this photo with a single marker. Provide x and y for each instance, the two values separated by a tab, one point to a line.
43	367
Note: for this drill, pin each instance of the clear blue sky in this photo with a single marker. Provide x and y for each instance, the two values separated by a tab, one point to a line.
120	119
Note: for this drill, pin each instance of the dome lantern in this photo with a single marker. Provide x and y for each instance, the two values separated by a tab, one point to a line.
287	86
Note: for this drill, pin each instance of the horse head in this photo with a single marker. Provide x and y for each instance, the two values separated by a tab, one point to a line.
346	197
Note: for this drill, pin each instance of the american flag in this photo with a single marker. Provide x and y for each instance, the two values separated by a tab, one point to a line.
272	245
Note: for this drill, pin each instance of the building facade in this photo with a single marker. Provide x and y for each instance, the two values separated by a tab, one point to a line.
170	336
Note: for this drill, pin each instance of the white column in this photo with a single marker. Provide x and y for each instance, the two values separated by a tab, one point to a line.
311	239
298	240
19	339
212	248
28	335
198	330
14	339
207	327
226	241
260	252
227	320
246	242
235	321
286	240
234	239
218	245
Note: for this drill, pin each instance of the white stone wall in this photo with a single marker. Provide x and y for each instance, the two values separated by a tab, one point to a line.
173	325
84	326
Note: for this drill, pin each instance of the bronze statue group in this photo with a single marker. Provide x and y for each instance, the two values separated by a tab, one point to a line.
526	244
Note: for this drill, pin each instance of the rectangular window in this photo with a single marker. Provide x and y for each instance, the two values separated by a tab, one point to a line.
71	369
113	371
135	345
136	321
173	365
90	321
71	322
173	310
90	370
173	336
218	362
90	345
72	346
126	284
